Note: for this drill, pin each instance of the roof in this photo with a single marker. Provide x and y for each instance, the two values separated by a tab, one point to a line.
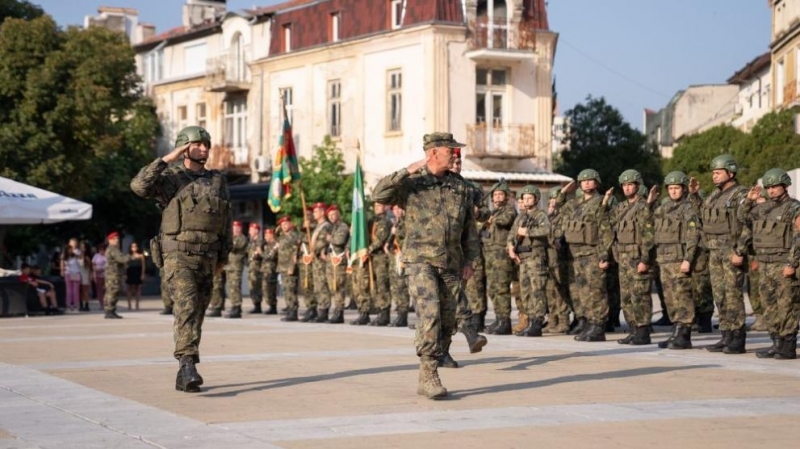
748	71
543	176
282	6
118	10
177	32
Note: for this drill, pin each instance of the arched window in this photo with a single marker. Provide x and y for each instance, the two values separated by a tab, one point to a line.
237	62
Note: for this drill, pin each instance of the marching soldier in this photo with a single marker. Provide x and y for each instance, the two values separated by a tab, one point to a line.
288	247
269	271
494	236
115	274
254	265
233	271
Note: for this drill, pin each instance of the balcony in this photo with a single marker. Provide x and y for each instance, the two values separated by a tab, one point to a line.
501	41
229	159
503	141
229	72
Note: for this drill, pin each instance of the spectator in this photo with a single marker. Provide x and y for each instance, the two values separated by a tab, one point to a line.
44	290
85	261
71	270
135	274
99	271
55	263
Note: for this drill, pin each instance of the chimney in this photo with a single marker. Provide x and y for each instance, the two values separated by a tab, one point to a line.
198	12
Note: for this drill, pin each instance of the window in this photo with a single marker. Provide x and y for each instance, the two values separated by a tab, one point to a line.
194	58
780	80
394	100
333	27
153	66
238	65
334	108
201	115
235	136
288	102
396	7
287	38
180	118
182	113
490	96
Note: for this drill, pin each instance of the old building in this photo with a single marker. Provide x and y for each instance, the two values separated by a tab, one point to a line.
785	51
123	20
754	92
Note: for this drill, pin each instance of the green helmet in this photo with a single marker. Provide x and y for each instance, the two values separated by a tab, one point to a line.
553	193
503	187
588	174
642	190
776	176
630	176
192	134
724	162
530	190
676	178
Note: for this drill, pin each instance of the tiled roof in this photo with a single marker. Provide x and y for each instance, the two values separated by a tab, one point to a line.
176	32
751	69
281	6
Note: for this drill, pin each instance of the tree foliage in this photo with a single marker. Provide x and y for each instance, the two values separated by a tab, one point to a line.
601	139
695	152
19	10
73	120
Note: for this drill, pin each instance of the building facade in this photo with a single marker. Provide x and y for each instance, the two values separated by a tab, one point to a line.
785	51
754	92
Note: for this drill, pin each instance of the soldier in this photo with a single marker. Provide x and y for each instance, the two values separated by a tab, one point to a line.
115	274
527	245
632	223
677	239
494	236
233	271
380	233
727	264
753	281
288	247
337	239
165	298
217	302
559	303
307	269
254	265
269	271
317	250
773	226
397	279
587	231
440	246
195	238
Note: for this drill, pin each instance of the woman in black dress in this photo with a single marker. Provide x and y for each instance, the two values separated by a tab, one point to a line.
134	275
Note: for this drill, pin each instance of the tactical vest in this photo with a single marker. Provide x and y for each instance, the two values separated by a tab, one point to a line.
773	234
581	232
627	230
719	213
669	231
198	208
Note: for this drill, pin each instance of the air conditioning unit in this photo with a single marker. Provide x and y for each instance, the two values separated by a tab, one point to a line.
261	164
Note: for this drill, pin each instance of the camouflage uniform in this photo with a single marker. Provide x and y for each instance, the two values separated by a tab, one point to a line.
559	303
397	279
269	273
532	252
165	298
288	246
494	237
337	271
318	266
254	271
380	233
306	273
115	276
233	270
217	301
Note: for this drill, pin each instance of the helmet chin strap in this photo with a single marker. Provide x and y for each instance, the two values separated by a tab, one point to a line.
199	161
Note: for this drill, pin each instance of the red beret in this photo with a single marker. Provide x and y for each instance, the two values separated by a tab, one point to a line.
284	219
331	208
237	223
269	231
112	235
457	152
319	205
255	226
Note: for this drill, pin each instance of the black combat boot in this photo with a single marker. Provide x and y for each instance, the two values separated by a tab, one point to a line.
337	317
475	341
481	323
503	327
579	327
770	352
188	379
628	338
291	315
322	316
738	339
112	315
401	320
271	310
724	340
362	320
284	310
446	360
683	338
256	309
309	316
533	329
665	344
382	319
166	311
642	336
787	349
664	320
594	332
704	322
352	305
235	312
490	327
214	312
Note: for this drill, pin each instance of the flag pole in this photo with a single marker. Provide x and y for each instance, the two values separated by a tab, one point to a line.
302	194
369	259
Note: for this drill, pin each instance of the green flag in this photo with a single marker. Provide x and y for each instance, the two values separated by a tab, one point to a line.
358	228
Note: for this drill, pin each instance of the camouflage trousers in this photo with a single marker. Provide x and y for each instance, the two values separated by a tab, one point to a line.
269	287
289	283
113	289
165	298
498	280
337	282
234	280
475	288
781	299
435	292
397	284
678	293
727	282
634	290
218	291
559	302
306	284
701	284
189	282
753	294
614	292
254	285
587	288
321	293
361	286
532	285
380	269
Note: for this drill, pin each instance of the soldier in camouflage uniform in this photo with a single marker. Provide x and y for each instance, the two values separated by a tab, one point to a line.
115	275
527	245
494	236
337	239
269	271
233	271
587	231
254	265
379	237
307	269
632	223
772	227
397	279
194	240
315	259
677	238
727	261
165	295
288	247
440	246
753	279
559	304
217	302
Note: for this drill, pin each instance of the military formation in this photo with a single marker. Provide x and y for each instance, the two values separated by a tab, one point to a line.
440	246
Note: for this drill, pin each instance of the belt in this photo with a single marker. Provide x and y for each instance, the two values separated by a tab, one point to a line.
168	245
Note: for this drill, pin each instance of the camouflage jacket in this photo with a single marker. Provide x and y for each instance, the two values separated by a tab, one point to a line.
495	230
380	231
238	254
255	252
721	223
116	262
770	229
677	231
633	229
439	225
340	237
398	234
587	218
288	246
162	183
269	257
319	243
538	229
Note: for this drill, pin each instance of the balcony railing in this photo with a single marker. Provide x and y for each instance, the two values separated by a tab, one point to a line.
227	158
501	35
514	141
229	72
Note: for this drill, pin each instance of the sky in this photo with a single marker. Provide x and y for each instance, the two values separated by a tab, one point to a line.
635	53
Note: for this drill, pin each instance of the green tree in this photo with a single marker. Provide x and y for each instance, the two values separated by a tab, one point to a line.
694	153
19	10
601	139
771	143
73	120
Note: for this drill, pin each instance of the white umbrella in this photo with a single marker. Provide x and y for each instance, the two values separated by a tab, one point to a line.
24	204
